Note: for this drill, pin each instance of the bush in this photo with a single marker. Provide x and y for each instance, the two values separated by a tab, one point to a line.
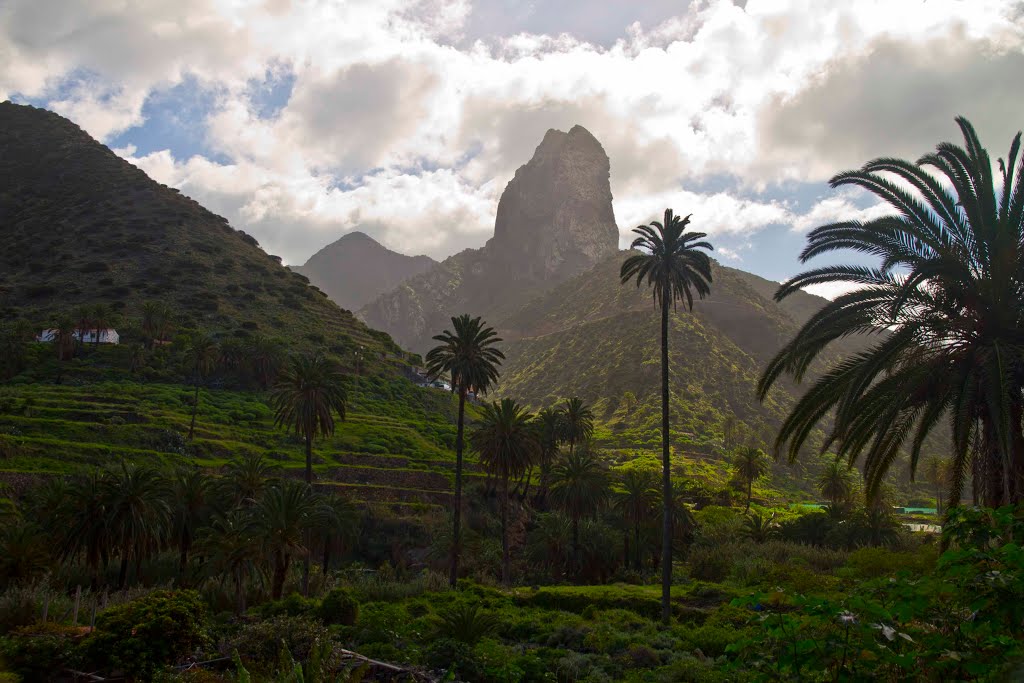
875	562
145	634
261	641
339	607
454	656
39	651
293	606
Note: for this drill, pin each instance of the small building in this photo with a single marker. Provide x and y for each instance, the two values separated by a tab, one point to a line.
106	336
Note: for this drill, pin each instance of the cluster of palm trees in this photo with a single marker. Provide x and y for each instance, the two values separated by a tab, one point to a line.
242	525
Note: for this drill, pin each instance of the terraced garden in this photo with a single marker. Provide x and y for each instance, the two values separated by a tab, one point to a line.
393	448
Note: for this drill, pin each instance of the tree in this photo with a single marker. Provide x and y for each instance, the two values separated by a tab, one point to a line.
79	521
836	484
937	471
944	304
135	497
24	551
672	264
337	521
232	548
549	424
469	357
64	338
307	395
637	499
508	443
245	478
309	392
13	350
201	354
282	520
579	487
190	503
759	527
266	357
156	322
750	465
101	319
577	422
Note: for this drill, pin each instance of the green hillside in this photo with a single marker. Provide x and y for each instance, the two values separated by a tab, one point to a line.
81	226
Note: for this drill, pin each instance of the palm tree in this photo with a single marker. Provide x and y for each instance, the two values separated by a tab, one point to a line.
549	424
64	338
577	422
637	500
836	484
232	548
468	356
137	512
101	320
550	543
750	464
759	527
508	443
245	479
673	266
937	471
201	354
282	520
80	522
337	520
190	502
945	306
266	357
83	317
579	486
24	551
156	322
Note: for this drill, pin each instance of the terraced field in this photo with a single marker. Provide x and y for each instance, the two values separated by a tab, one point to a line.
393	448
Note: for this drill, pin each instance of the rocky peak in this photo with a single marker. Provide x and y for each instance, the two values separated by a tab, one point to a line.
555	216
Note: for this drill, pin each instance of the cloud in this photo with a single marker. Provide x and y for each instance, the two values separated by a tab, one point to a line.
410	117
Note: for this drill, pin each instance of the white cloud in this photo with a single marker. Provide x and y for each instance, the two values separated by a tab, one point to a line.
397	122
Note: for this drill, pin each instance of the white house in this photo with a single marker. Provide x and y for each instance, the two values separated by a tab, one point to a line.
107	336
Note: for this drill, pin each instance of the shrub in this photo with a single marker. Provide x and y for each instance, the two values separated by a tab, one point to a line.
293	606
339	607
875	562
38	651
261	641
150	632
454	657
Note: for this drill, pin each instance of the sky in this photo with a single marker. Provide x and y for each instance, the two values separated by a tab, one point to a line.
301	121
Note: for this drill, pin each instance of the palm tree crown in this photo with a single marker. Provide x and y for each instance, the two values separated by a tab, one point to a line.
750	464
577	421
305	399
944	303
671	265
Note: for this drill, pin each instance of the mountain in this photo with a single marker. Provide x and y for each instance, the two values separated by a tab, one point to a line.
356	269
80	226
554	221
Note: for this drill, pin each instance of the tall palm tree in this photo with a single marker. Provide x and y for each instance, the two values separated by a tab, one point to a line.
201	354
232	548
937	471
637	500
78	520
579	487
836	484
672	264
245	478
138	513
469	357
156	322
308	393
266	357
190	503
549	424
337	521
282	519
508	443
64	338
83	319
750	464
577	422
945	306
101	320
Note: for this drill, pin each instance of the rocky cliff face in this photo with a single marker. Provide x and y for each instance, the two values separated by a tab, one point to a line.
554	221
555	216
356	269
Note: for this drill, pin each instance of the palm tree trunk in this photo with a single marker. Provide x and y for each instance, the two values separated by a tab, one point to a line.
183	555
453	563
576	547
636	544
506	574
309	482
122	574
666	500
195	409
526	486
239	592
750	487
327	554
280	571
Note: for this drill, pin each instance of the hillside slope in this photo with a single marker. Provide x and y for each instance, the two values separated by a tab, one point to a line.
356	269
81	226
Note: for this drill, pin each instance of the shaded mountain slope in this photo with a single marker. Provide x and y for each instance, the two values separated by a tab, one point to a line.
356	269
80	226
